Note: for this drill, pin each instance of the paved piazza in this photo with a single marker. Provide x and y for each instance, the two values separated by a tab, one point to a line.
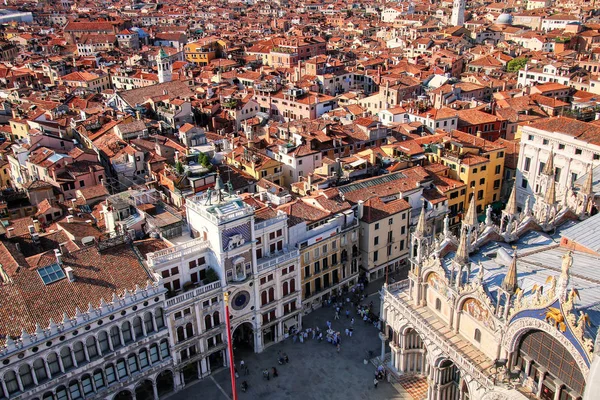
315	371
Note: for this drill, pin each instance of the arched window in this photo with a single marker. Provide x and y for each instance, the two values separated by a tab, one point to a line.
271	294
65	357
164	348
189	330
132	362
292	285
98	379
148	322
477	335
40	370
180	334
263	298
158	316
285	288
207	322
53	364
92	350
61	393
121	368
10	380
137	327
86	384
74	390
25	375
144	361
79	353
103	342
438	304
216	318
126	330
154	357
111	375
115	337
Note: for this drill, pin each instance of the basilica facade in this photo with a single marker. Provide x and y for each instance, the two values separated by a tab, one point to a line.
504	310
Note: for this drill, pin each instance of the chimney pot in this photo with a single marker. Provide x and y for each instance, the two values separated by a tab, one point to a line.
58	256
70	275
69	219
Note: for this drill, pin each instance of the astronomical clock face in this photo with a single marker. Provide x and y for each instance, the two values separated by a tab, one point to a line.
240	300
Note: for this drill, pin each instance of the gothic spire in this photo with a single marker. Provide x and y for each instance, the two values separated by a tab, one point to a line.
549	166
462	252
421	225
510	279
550	196
471	215
511	205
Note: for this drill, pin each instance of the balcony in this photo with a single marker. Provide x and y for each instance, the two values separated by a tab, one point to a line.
193	294
277	259
176	253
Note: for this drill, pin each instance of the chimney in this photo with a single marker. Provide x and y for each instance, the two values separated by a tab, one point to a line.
360	209
88	221
69	218
63	248
479	134
35	237
10	232
70	211
31	229
36	225
69	272
58	256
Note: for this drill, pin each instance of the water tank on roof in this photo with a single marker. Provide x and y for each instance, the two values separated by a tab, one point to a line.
504	19
88	240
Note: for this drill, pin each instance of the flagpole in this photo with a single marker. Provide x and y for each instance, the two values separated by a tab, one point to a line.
230	346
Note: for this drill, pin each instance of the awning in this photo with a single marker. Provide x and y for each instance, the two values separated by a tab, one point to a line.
290	322
497	206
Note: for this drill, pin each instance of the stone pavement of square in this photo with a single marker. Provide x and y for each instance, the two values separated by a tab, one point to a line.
315	371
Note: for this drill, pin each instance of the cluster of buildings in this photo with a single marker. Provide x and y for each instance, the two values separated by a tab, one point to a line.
155	156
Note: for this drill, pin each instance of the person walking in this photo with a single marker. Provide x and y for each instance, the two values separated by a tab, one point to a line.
352	321
350	331
337	315
339	346
375	382
347	314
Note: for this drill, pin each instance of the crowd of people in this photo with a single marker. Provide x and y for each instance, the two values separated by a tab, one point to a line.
348	307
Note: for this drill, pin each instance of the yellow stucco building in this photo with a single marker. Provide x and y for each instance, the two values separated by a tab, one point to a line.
476	162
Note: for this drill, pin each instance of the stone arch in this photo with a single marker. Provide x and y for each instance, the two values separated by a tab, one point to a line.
48	396
10	377
124	394
490	312
518	328
144	390
165	382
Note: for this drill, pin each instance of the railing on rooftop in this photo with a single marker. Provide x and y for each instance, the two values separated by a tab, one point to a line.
193	293
177	252
269	222
277	259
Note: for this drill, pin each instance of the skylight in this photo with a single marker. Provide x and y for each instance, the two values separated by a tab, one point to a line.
51	273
